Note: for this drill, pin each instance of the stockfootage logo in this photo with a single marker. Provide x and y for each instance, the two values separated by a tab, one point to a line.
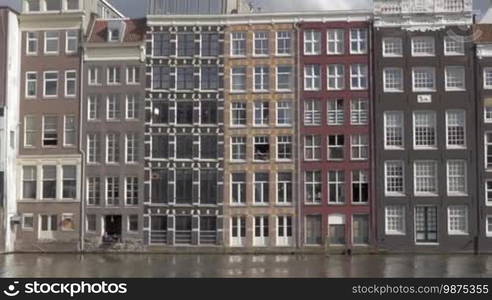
11	290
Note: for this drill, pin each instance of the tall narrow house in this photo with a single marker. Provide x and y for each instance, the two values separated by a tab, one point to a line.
184	129
49	162
425	125
9	119
335	101
112	133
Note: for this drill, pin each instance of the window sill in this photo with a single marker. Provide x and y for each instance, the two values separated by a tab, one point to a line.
360	203
424	91
395	233
425	148
393	91
395	195
336	203
426	195
313	204
426	244
457	195
290	90
458	233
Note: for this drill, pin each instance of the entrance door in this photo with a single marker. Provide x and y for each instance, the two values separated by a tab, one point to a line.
313	230
48	224
361	229
112	228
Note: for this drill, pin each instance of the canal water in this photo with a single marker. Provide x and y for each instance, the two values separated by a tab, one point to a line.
157	265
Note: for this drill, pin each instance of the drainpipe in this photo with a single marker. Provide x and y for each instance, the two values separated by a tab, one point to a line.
298	138
372	132
479	129
81	151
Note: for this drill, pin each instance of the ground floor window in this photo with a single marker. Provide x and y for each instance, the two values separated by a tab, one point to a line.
158	229
360	229
336	229
426	224
313	230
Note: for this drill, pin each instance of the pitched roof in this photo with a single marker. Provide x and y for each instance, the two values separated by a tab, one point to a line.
482	33
134	32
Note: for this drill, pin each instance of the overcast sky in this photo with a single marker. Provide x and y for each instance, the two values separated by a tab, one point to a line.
137	8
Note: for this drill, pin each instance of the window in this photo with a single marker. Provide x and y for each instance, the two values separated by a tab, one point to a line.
424	79
336	145
336	112
313	229
93	108
394	178
133	223
238	188
312	77
51	42
133	75
131	191
261	43
360	187
238	78
238	230
455	129
392	47
261	231
69	182
27	221
489	226
131	107
72	4
32	43
262	78
313	187
358	41
33	5
93	73
312	112
30	128
208	146
393	130
50	84
423	46
426	224
261	148
208	112
359	145
424	130
487	78
93	190
70	83
52	5
284	188
455	78
162	45
284	78
284	230
50	131
360	229
29	182
72	41
159	191
261	113
112	148
184	186
336	77
186	44
184	112
114	35
210	44
238	114
336	229
114	76
488	192
454	46
358	77
336	187
359	112
394	220
284	43
113	108
93	148
49	224
312	42
393	80
284	113
238	44
160	146
261	184
457	220
425	178
238	148
160	112
184	146
70	131
132	148
49	182
31	84
312	147
185	78
336	41
284	147
209	78
456	177
488	150
208	186
112	191
488	110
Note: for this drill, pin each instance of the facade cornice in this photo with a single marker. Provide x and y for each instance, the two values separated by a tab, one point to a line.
51	21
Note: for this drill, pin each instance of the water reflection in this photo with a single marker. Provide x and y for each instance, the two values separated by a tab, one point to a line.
154	265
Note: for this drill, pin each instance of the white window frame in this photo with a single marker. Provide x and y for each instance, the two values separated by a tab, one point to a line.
487	78
243	76
54	80
433	119
461	114
237	38
401	215
463	177
289	84
65	130
398	164
334	115
46	39
312	112
237	143
397	83
93	76
357	141
30	81
312	37
264	76
131	107
336	72
465	219
400	128
460	84
362	72
132	75
310	144
459	44
111	80
131	148
358	115
428	177
360	37
285	140
69	38
424	39
487	223
335	36
261	36
430	70
312	75
24	227
398	51
280	36
72	79
286	106
29	40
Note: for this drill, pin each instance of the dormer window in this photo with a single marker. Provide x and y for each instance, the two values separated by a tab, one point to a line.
114	35
33	5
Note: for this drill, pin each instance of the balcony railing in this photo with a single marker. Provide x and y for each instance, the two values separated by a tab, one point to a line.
394	7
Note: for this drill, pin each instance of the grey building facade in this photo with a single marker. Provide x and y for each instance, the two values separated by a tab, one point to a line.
425	128
112	134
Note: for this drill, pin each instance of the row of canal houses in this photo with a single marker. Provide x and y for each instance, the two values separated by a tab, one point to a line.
212	126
